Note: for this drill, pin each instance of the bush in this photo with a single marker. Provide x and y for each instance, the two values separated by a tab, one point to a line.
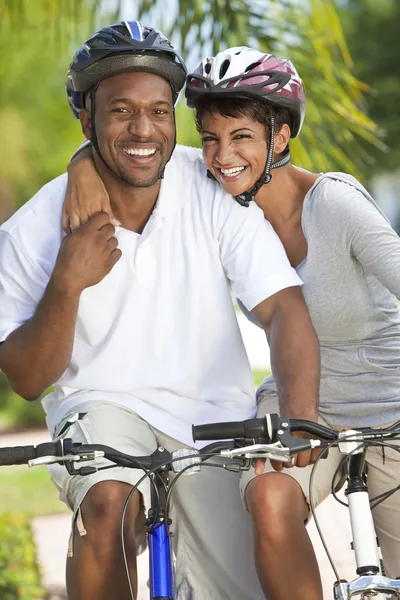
20	414
17	413
19	569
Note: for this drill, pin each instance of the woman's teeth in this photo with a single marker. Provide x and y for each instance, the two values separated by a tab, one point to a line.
232	171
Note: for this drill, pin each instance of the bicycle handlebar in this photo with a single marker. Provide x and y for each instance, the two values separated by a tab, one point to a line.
252	428
21	455
266	429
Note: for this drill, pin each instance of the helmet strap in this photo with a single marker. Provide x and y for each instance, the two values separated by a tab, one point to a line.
94	139
161	176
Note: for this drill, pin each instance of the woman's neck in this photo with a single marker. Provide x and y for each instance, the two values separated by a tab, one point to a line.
282	199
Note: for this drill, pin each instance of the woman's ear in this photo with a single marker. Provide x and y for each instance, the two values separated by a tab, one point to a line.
282	138
84	117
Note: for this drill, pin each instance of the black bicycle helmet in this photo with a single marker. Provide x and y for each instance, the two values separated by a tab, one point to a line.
120	48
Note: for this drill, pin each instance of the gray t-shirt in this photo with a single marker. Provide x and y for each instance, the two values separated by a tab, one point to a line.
351	281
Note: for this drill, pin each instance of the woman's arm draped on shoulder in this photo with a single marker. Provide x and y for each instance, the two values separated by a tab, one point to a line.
86	193
354	225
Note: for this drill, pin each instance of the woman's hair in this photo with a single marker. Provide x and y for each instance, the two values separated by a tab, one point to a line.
253	108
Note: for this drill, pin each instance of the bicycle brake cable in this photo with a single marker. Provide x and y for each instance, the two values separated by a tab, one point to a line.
147	473
313	513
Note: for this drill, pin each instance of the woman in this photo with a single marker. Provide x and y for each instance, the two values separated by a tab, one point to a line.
248	105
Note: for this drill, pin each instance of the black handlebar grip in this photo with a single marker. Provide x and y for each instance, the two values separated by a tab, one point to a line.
252	428
19	455
49	449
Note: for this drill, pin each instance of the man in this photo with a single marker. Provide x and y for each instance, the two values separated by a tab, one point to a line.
135	326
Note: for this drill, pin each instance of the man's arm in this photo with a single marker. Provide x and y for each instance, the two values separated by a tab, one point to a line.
295	354
36	354
295	359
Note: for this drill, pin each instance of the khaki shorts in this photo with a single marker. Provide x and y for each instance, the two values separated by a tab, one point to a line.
212	539
382	476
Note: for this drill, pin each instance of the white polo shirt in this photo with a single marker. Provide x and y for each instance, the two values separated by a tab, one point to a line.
159	333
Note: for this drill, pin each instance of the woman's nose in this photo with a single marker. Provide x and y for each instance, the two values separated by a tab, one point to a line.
224	153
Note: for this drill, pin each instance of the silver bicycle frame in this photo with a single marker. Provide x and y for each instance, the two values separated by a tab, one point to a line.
371	582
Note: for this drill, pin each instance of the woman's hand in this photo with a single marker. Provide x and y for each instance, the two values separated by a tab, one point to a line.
86	193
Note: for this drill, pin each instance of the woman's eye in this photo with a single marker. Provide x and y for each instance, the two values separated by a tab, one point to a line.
208	138
242	136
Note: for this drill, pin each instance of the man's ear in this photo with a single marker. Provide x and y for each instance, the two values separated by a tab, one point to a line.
86	123
282	138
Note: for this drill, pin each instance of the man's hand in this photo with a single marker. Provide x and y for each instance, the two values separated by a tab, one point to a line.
301	459
87	255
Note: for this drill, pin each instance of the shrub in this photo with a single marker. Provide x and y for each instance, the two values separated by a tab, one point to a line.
20	414
17	413
19	569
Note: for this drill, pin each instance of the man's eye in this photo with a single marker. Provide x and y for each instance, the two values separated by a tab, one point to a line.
162	112
120	110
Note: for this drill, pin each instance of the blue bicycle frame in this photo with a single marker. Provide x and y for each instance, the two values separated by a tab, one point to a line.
160	554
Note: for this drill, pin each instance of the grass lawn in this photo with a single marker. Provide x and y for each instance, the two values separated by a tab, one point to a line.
29	491
259	376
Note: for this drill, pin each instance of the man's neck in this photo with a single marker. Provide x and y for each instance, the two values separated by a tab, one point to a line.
132	206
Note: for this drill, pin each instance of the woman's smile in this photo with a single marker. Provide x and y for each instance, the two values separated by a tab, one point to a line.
230	174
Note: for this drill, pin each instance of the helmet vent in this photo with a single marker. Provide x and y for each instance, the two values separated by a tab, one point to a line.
103	42
252	66
207	68
224	68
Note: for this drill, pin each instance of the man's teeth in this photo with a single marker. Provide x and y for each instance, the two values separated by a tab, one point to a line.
140	152
233	171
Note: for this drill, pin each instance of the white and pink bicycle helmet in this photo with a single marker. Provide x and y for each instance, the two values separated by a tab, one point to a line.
243	72
246	72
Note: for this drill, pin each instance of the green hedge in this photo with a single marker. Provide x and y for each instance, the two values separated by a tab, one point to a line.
19	570
17	413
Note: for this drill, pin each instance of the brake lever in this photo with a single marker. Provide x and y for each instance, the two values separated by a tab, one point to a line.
276	451
49	460
272	451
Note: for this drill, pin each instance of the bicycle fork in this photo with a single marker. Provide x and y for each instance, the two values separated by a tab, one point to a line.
160	556
362	526
371	581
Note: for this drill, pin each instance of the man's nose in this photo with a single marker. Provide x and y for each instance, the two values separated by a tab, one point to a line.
141	125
